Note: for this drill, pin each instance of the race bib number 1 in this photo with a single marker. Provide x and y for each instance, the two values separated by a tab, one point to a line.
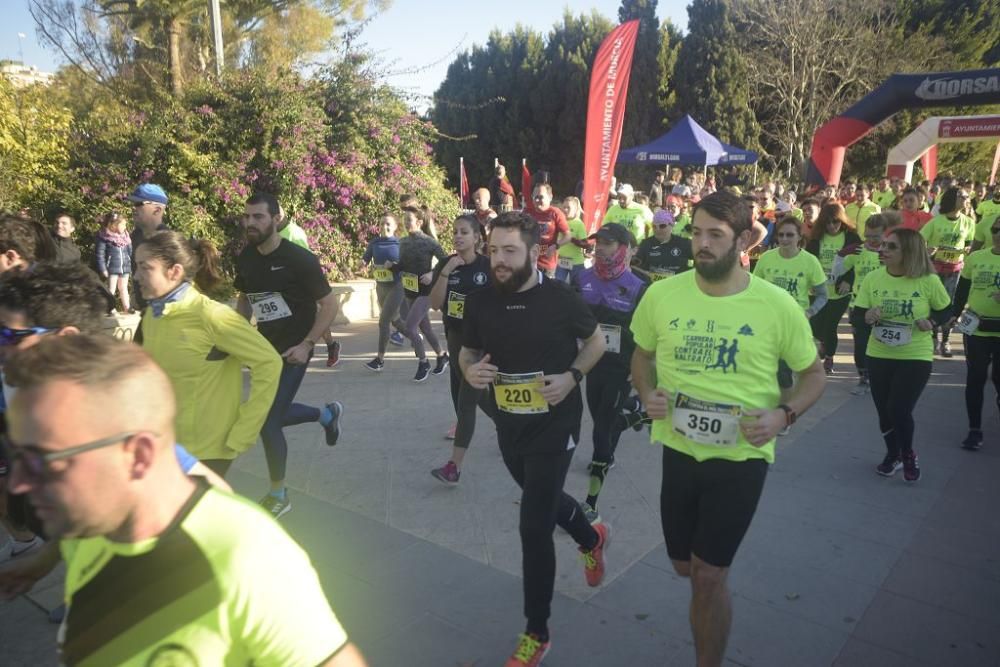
518	393
893	334
706	422
410	282
612	337
456	305
269	306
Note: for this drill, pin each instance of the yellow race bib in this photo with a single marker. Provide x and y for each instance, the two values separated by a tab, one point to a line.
518	393
410	282
456	305
949	255
382	275
660	275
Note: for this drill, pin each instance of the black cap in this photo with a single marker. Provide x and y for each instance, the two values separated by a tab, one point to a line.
614	232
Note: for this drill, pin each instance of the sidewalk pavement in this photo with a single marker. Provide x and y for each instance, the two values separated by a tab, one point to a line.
840	566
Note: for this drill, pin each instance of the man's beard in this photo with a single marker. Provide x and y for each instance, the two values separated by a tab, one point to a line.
715	271
517	278
255	237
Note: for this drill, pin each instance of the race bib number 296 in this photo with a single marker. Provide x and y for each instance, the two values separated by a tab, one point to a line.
269	306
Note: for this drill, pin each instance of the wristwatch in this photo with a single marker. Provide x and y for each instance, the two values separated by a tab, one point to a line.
577	374
790	415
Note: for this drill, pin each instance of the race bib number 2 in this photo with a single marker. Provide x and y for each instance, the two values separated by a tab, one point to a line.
706	422
518	393
269	306
456	305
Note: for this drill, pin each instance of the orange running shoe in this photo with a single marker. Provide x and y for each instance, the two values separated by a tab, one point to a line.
530	652
593	559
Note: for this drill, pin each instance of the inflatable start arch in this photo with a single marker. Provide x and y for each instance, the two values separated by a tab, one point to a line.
900	91
933	131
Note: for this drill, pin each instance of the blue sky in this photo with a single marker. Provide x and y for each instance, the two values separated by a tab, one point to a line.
410	35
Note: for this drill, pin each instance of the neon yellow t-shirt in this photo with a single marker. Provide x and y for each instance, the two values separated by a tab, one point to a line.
723	350
632	218
988	207
859	214
570	251
884	199
683	226
863	263
903	301
295	234
797	276
982	268
829	246
950	237
983	235
203	593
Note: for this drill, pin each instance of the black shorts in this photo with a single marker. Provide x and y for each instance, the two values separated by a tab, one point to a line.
706	507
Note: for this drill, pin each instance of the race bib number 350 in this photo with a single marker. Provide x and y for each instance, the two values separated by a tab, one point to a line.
706	422
518	393
269	306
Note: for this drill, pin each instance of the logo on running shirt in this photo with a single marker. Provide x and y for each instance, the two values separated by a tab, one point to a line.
172	655
726	358
745	330
479	278
916	295
675	251
277	268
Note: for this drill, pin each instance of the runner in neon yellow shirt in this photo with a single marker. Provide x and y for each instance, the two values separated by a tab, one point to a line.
708	343
627	213
787	266
856	262
949	236
902	301
979	288
861	208
571	257
991	206
183	559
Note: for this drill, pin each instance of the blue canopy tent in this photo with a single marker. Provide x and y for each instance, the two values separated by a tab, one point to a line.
687	142
736	155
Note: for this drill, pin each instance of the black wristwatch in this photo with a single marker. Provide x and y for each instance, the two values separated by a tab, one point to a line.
577	374
790	415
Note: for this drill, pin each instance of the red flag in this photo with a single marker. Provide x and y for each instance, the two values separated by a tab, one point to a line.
605	110
525	185
929	162
464	186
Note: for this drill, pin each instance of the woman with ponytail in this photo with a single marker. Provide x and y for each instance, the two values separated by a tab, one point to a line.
203	346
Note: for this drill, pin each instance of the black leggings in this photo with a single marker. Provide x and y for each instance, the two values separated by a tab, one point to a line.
825	323
980	353
861	331
544	504
606	392
896	385
463	396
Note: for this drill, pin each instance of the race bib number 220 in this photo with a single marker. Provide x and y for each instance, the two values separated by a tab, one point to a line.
518	393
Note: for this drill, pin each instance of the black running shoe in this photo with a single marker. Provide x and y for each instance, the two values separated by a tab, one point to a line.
333	428
423	370
974	440
442	364
890	464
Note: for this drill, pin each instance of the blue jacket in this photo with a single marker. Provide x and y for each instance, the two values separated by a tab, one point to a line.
113	259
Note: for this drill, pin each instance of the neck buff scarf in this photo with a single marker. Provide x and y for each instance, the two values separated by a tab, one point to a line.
611	267
120	239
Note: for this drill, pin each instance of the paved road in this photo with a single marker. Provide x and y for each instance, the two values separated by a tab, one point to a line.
840	567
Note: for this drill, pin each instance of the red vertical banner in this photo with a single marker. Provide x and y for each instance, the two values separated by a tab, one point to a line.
928	162
605	111
464	184
526	188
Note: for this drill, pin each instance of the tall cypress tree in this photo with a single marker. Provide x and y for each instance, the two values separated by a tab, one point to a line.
642	111
711	75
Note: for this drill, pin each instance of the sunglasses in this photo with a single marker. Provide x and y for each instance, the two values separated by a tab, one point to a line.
36	461
13	337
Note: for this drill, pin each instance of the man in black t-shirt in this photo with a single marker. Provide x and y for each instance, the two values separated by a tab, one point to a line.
662	254
521	337
281	284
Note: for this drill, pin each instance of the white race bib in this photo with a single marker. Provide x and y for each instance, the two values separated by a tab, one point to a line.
612	337
893	334
269	306
706	422
566	263
968	323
